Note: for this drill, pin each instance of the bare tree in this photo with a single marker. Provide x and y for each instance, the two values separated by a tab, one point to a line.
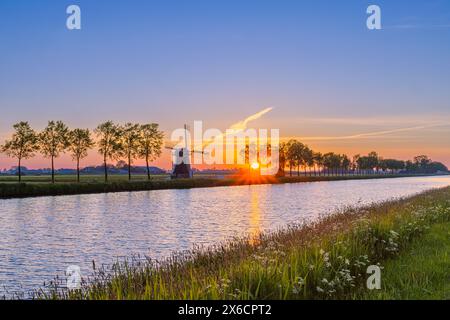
53	141
150	144
109	144
80	141
22	145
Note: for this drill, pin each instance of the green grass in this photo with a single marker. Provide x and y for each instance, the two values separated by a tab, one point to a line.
326	260
97	178
34	186
34	189
83	178
92	178
421	272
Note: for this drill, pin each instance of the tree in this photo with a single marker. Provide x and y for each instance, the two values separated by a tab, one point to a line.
398	165
290	155
327	161
294	155
308	158
410	166
435	167
423	164
373	160
150	144
369	162
130	143
391	165
345	162
53	141
318	161
109	143
355	161
282	150
331	161
80	141
422	161
22	145
121	165
299	154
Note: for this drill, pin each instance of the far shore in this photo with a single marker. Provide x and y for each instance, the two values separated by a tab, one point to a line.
9	190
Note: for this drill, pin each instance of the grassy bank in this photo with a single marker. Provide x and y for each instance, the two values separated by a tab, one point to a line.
422	271
84	178
326	260
37	186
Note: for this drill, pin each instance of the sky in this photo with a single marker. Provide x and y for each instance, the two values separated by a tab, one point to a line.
330	81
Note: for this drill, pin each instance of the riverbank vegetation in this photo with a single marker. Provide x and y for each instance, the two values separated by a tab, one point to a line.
421	271
325	260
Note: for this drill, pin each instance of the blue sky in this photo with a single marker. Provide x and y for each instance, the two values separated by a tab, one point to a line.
219	61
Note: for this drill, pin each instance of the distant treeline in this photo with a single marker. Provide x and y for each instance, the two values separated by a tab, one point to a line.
130	141
296	155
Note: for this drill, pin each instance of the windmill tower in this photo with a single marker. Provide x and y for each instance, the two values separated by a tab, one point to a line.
181	159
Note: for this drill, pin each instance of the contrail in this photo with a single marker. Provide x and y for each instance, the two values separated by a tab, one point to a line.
242	125
371	134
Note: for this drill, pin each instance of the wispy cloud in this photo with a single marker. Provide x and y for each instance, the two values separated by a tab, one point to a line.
399	121
371	134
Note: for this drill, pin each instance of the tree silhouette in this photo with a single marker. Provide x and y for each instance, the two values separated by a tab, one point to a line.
109	143
53	141
345	162
282	151
150	144
369	162
318	161
80	142
295	155
23	144
130	143
422	161
308	158
290	155
332	162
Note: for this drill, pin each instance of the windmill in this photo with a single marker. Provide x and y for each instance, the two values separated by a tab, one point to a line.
181	163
